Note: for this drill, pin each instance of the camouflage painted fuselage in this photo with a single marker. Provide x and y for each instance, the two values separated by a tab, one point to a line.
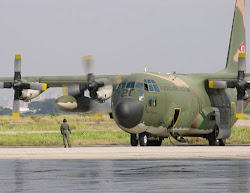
186	95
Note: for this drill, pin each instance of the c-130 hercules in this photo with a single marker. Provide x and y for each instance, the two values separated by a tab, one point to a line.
152	106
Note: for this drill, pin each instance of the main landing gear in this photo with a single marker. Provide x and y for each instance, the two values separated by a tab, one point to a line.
142	139
212	138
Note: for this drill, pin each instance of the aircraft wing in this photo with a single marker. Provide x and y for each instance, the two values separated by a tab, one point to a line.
60	81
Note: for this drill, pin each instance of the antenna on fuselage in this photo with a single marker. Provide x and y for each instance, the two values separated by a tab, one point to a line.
145	69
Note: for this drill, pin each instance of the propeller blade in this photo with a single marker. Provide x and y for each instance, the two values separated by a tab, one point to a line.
88	64
5	85
38	86
16	107
239	109
241	66
17	67
217	84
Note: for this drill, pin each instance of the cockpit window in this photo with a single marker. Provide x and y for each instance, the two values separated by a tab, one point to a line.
123	84
151	88
150	85
156	88
139	85
130	85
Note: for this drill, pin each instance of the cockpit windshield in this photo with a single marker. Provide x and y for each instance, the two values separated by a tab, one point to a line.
148	85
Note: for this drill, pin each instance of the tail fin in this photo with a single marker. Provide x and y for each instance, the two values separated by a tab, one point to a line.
238	39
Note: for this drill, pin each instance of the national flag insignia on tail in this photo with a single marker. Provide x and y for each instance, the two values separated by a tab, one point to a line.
242	48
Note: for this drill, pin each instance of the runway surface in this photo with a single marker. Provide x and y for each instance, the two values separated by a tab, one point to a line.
173	175
127	152
125	169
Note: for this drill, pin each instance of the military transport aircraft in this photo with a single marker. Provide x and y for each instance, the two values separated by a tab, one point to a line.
152	106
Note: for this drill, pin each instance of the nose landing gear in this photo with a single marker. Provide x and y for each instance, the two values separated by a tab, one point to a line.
142	139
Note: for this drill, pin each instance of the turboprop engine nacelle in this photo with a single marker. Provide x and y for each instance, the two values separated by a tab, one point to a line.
28	94
104	93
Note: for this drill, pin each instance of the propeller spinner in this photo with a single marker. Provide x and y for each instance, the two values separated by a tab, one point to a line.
92	86
18	85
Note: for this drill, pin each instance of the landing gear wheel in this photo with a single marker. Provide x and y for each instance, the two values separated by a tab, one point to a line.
133	140
212	138
222	142
151	143
158	142
143	139
213	141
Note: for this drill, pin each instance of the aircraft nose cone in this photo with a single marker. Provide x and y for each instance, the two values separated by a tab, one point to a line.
129	112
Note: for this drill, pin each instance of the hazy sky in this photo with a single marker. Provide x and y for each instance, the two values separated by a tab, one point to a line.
124	36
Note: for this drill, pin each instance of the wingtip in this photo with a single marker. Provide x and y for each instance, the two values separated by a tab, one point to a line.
89	57
18	56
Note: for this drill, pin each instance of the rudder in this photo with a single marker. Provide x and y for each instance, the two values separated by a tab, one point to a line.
238	38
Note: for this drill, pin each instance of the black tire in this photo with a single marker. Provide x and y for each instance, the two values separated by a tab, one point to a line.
212	137
143	138
222	142
151	143
158	142
133	140
214	142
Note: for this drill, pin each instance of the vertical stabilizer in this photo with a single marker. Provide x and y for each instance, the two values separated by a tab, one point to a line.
238	39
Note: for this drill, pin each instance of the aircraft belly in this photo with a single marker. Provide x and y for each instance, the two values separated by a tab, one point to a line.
140	128
191	131
161	131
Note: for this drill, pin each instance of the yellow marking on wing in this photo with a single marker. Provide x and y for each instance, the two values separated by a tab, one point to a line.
239	115
64	89
15	114
242	55
88	57
174	79
44	87
211	84
119	78
18	56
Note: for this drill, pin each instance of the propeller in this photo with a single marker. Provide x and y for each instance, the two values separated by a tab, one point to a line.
240	84
92	86
18	85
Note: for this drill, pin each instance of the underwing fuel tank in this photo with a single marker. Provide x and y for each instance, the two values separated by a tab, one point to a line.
69	103
83	104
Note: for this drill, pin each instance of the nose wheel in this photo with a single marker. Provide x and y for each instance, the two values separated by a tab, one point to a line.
143	138
133	140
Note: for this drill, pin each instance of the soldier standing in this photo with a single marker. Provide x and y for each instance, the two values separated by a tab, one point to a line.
65	131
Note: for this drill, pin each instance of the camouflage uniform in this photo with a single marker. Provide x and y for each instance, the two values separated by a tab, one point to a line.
65	131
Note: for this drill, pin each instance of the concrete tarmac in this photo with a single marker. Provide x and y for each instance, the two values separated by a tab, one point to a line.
127	152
